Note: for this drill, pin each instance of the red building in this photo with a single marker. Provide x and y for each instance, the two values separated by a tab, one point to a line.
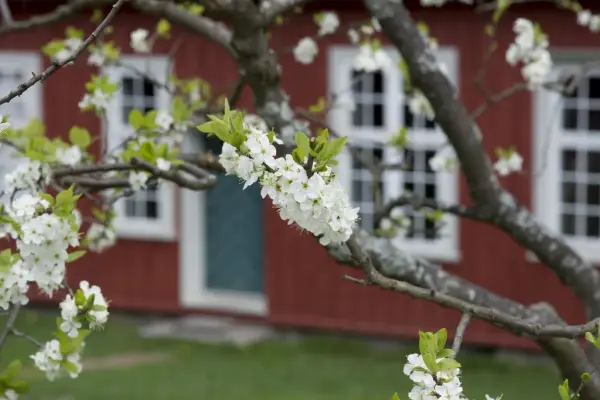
226	251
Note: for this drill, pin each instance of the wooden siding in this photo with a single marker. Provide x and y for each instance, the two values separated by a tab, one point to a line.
305	287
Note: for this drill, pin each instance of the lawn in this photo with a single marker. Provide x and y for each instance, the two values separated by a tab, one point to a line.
309	369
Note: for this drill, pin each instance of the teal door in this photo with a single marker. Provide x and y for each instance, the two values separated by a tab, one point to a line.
234	235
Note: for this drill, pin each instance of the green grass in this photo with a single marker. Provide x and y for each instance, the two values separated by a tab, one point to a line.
310	369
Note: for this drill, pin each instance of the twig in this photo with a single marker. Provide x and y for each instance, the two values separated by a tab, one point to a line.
460	331
7	18
12	316
514	324
57	65
23	335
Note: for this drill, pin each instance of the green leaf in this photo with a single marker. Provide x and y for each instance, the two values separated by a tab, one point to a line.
80	298
563	390
74	33
136	119
395	397
53	47
303	143
163	28
443	353
19	386
442	336
70	367
76	255
448	364
13	369
319	106
216	128
80	137
431	363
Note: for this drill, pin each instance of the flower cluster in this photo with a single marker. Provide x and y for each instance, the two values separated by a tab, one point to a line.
28	175
589	20
51	360
315	201
397	223
87	305
508	161
444	384
328	23
139	41
531	49
43	241
99	237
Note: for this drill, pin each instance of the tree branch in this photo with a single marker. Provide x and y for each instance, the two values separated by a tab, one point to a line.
494	204
279	7
391	269
57	65
7	18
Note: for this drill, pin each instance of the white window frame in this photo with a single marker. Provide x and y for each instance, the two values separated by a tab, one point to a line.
28	62
162	228
548	144
341	58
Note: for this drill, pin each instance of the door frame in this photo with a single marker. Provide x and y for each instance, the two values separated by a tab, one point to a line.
193	292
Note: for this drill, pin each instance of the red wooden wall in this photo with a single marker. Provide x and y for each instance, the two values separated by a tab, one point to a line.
304	286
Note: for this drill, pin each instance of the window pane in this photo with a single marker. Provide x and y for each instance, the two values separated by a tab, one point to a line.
593	194
593	226
593	158
594	87
378	86
594	120
569	160
569	193
569	118
568	224
408	117
130	207
151	209
127	85
148	88
378	115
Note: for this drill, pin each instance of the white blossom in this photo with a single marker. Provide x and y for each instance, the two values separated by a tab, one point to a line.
419	105
68	314
306	50
70	156
317	203
444	160
506	165
531	50
99	316
29	175
99	237
9	394
97	100
328	23
139	41
138	180
370	60
163	164
353	36
164	120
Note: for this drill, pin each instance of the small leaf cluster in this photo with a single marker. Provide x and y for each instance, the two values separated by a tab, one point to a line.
8	379
436	356
319	149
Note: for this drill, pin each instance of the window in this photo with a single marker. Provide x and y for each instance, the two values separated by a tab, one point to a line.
148	214
567	159
381	110
16	68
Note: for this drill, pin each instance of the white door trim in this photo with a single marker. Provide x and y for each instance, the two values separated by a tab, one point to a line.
193	292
